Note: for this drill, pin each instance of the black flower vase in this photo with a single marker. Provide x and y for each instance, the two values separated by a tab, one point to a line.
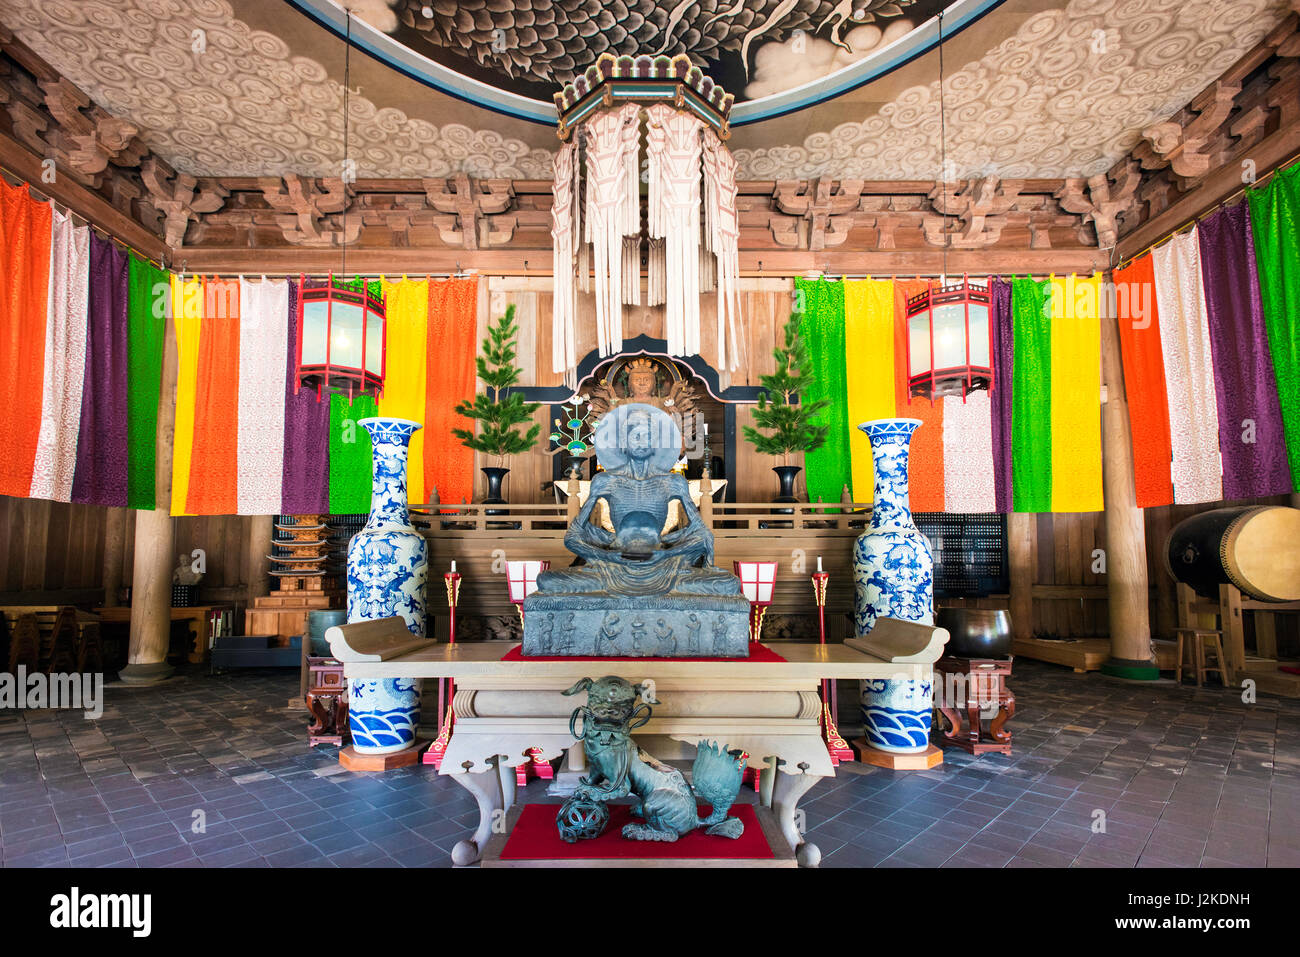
494	477
573	463
787	473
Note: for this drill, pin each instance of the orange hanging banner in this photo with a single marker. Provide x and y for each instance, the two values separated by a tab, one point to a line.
214	469
452	338
25	226
925	459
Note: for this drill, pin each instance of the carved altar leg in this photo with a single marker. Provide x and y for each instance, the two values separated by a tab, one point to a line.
786	792
577	757
765	783
486	787
509	784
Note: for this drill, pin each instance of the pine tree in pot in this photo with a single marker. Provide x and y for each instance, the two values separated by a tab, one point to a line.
497	410
788	422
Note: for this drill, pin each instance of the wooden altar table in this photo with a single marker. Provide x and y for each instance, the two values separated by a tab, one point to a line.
508	711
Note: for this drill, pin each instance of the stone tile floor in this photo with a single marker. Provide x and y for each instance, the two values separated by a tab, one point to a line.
1184	777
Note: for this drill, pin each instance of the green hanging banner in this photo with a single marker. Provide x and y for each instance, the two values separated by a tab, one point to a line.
1031	397
147	298
828	469
1275	221
350	459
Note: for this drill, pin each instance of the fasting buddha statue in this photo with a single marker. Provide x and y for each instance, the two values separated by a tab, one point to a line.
637	446
641	573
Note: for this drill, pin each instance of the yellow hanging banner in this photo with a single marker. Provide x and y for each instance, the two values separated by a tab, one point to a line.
869	370
1076	394
187	314
407	369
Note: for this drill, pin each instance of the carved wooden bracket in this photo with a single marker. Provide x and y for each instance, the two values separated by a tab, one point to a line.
817	212
1185	148
1105	201
979	205
1284	95
308	209
474	207
91	138
178	198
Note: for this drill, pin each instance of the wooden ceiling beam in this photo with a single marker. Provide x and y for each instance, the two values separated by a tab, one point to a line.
511	261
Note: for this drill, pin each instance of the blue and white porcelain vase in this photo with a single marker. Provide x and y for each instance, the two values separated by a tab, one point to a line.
893	572
388	564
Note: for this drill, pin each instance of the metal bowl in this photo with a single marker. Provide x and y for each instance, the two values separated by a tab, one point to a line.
976	632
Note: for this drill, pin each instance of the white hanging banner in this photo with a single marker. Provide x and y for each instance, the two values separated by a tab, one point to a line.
673	145
612	192
722	238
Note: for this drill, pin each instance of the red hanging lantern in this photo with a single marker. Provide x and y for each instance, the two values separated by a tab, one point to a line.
949	341
340	338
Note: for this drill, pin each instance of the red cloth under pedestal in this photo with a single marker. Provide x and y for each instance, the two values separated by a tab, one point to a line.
535	837
757	652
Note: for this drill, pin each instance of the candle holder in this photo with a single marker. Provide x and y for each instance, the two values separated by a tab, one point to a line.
446	688
836	746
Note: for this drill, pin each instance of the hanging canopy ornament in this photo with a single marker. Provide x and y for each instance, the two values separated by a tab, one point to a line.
660	122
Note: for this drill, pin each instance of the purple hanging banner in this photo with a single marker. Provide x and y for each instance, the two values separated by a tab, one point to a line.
100	477
305	489
1003	375
1252	443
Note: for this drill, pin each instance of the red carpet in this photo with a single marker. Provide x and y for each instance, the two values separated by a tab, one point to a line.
535	838
758	652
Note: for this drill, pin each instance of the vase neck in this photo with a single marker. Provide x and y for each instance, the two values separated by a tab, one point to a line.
891	506
389	444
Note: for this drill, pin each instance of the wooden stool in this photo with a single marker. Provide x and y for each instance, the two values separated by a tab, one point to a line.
983	682
327	700
1192	653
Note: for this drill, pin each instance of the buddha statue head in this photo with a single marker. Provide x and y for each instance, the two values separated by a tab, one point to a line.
642	378
639	435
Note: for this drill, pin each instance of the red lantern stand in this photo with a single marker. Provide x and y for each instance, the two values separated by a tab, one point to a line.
522	585
446	687
836	746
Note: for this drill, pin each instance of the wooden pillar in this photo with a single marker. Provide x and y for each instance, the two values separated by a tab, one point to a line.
260	529
1126	549
114	554
155	556
1020	558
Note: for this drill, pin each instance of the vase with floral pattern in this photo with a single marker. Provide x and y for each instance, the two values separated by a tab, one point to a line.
388	563
893	574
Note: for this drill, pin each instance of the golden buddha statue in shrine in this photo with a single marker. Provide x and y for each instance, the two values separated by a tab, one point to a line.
644	381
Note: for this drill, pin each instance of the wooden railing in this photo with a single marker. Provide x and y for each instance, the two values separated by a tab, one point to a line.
726	519
480	538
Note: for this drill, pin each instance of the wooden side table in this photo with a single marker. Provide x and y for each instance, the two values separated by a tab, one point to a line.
971	684
327	700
